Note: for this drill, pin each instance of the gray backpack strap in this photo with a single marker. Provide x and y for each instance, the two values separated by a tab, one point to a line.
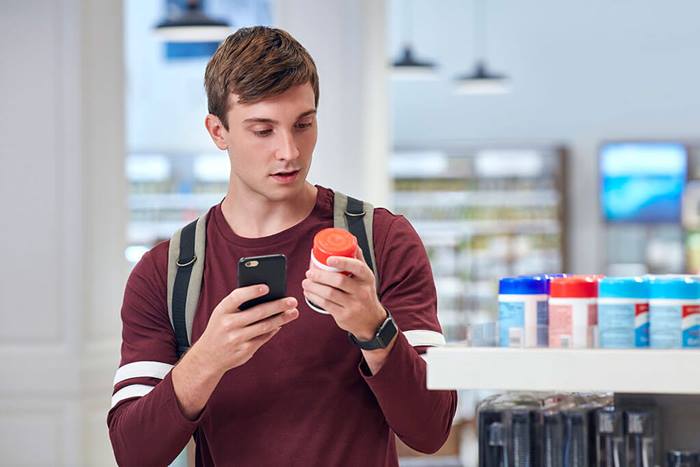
357	217
185	272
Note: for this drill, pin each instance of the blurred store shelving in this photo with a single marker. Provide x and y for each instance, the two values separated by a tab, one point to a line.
482	212
166	191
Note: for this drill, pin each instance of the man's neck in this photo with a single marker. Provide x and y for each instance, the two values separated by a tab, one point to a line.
251	215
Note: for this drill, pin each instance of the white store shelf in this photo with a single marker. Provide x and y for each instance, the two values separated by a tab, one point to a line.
641	371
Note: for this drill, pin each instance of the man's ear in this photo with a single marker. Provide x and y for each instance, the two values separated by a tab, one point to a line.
217	131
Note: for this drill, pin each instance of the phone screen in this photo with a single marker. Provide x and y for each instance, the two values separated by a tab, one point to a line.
270	270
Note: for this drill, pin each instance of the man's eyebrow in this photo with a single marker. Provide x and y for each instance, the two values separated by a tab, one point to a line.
271	121
307	113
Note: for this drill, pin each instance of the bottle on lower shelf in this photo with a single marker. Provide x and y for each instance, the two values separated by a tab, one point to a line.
519	429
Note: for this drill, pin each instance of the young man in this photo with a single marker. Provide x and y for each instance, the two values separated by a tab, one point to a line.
278	384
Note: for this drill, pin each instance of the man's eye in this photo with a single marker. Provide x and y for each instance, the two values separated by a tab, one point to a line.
304	125
263	133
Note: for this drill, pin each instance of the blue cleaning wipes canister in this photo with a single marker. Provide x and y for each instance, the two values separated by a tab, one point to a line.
623	312
522	311
674	312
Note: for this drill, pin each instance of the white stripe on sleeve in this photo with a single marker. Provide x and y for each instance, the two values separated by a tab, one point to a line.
142	370
135	390
424	338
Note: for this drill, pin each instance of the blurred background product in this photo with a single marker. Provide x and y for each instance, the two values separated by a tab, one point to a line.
682	459
522	311
549	429
641	445
573	312
674	312
623	312
570	429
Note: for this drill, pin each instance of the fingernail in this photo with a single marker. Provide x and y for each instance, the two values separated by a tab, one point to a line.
291	302
331	261
262	289
310	274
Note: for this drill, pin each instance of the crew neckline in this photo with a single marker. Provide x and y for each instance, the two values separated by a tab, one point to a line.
324	198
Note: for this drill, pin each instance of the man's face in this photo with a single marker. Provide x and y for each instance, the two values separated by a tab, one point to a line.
270	143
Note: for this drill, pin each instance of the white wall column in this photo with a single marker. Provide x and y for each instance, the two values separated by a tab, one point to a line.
347	42
63	238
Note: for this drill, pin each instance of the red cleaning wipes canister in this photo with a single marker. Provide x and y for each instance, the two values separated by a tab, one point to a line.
573	311
331	242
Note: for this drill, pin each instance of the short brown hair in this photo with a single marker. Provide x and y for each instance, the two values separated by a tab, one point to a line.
256	63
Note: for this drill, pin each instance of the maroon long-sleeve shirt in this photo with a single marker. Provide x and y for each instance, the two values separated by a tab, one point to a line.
305	398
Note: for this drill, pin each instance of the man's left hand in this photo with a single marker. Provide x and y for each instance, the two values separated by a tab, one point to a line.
350	299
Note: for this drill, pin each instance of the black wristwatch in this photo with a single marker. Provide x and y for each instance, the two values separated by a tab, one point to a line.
385	333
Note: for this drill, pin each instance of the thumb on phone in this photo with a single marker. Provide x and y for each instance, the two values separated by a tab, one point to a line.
232	301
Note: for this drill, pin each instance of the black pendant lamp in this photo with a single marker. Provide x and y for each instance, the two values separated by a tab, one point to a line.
407	66
192	25
481	80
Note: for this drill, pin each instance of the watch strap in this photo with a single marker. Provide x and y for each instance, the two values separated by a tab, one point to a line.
385	333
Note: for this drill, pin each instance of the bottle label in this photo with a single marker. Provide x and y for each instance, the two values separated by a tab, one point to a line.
641	325
665	325
616	329
511	315
572	325
560	325
542	324
691	326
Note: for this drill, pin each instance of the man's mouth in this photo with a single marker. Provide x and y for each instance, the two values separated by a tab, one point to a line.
285	176
285	173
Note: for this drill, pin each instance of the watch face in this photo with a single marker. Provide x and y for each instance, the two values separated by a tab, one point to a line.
381	339
387	332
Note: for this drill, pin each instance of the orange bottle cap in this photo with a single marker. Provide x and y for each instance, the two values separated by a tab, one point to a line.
334	242
574	286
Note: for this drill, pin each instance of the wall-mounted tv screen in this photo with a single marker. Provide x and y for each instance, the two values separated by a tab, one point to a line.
642	182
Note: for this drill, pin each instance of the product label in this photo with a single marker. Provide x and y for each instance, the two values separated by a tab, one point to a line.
592	314
691	326
641	325
572	324
511	315
542	324
592	328
616	326
560	325
665	322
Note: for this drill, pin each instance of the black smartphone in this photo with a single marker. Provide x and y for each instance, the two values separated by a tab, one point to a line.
270	270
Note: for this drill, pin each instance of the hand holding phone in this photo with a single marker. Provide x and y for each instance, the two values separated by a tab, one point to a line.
270	270
232	338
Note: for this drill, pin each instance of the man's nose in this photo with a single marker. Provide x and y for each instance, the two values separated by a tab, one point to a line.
287	149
